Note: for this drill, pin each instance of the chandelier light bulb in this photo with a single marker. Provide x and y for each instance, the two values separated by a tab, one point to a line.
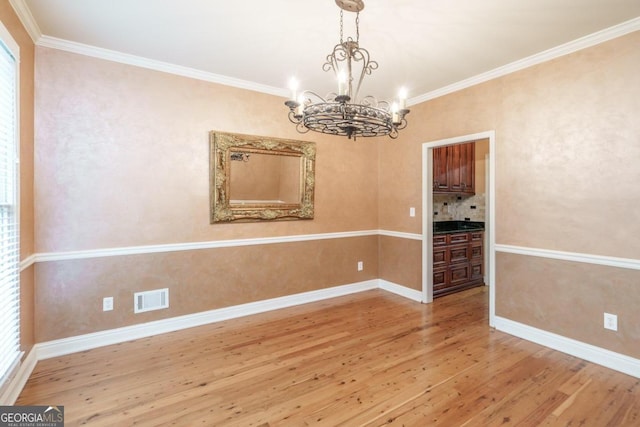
344	112
342	83
293	86
395	116
300	107
402	98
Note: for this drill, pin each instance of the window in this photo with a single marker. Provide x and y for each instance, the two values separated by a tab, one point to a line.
9	214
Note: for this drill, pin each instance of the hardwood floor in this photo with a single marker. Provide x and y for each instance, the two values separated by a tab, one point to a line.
368	359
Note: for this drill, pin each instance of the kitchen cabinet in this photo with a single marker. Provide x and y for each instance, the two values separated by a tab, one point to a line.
458	261
454	169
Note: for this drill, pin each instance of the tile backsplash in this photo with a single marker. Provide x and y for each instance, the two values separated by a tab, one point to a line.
449	207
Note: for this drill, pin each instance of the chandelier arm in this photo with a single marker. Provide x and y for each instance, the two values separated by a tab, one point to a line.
372	101
402	124
338	54
292	117
300	127
310	96
340	113
358	54
362	54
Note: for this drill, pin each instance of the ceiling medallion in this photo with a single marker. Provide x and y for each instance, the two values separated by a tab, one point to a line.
342	113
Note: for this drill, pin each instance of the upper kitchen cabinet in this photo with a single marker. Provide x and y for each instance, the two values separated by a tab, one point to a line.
454	169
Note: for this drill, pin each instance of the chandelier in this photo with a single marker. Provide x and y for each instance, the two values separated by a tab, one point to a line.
342	113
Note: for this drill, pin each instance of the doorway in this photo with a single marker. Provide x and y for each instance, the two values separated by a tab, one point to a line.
427	215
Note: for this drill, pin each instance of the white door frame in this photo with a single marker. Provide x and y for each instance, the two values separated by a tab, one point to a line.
427	214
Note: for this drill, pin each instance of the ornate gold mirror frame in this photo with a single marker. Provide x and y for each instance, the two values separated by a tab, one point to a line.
230	152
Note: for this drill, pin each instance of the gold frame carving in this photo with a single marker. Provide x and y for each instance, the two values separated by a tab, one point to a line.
222	144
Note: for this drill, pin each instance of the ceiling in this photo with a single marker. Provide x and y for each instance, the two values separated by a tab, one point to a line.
423	45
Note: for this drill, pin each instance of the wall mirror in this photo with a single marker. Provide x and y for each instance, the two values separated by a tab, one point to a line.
254	178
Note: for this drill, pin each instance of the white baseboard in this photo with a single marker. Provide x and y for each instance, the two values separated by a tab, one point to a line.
17	383
45	350
49	349
114	336
412	294
616	361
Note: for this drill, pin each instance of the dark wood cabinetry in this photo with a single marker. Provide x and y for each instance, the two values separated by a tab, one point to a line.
454	169
458	261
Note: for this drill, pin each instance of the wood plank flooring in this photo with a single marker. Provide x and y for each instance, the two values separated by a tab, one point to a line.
368	359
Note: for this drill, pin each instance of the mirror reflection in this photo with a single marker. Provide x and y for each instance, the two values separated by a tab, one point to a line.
264	178
256	178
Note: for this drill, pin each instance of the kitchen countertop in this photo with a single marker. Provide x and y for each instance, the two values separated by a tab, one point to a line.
443	227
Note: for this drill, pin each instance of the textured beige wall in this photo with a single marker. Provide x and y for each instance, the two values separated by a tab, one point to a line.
256	178
122	160
12	24
400	261
266	177
569	299
566	166
290	189
481	149
465	112
69	294
567	155
569	139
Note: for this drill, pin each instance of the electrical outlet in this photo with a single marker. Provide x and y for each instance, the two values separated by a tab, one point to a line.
412	212
611	321
107	303
360	266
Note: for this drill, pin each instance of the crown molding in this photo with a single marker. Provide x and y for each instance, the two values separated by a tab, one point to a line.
544	56
30	24
138	61
27	19
25	16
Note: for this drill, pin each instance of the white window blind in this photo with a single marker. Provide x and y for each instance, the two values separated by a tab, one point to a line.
9	227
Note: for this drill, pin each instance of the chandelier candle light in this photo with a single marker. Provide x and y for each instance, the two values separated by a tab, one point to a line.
342	113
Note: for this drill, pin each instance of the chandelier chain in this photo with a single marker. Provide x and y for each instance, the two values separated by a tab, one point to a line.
340	113
341	26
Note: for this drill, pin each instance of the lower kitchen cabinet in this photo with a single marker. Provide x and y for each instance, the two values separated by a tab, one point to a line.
458	261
